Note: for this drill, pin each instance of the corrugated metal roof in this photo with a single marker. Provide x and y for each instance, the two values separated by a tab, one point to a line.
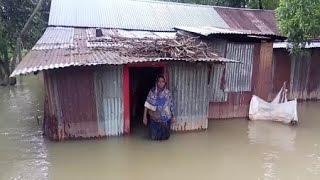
207	30
132	14
263	21
285	45
56	38
54	54
53	59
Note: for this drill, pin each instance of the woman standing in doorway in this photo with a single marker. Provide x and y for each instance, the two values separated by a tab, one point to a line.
159	106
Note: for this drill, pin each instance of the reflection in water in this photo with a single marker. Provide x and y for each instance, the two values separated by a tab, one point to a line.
231	149
272	133
269	165
315	160
23	151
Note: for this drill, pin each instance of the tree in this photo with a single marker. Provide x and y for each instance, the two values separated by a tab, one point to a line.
299	20
263	4
13	17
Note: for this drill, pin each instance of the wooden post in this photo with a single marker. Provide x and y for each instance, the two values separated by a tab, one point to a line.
126	99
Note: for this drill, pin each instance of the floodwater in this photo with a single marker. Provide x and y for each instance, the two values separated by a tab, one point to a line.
229	149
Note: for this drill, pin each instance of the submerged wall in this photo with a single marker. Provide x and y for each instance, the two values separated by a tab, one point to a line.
70	108
232	85
109	100
88	102
301	73
189	87
83	102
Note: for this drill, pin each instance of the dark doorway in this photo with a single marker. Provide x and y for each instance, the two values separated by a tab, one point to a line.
142	79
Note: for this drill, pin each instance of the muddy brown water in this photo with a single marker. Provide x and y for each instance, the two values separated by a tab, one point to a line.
229	149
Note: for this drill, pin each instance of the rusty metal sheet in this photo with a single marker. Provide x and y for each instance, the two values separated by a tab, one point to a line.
61	58
189	86
263	84
281	70
237	106
76	95
52	116
300	71
109	100
239	76
209	30
83	53
263	21
314	77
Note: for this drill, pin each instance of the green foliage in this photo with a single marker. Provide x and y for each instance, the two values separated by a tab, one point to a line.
13	16
299	20
266	4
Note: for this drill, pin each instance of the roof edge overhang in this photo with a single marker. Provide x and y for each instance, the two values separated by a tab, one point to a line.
24	71
210	31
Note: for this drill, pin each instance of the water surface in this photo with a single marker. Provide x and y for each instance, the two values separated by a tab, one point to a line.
232	149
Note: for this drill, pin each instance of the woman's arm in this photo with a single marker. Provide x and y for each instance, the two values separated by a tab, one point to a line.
172	109
145	120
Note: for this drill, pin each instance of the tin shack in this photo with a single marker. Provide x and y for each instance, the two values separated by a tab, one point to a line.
254	76
301	72
95	88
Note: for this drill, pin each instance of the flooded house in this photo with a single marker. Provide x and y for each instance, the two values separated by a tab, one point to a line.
95	88
301	72
255	52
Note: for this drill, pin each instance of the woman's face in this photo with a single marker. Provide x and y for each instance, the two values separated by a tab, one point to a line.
161	83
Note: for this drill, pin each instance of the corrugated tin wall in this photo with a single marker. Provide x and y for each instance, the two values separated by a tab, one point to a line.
281	70
70	104
189	86
237	79
216	89
219	45
83	102
301	73
109	100
237	106
314	77
239	76
52	124
77	100
300	70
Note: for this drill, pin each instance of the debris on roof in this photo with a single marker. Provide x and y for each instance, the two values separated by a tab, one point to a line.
64	47
180	47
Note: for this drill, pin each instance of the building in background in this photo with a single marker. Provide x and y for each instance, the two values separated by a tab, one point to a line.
302	73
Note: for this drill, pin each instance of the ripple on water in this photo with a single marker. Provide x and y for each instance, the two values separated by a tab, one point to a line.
269	165
23	148
272	134
315	161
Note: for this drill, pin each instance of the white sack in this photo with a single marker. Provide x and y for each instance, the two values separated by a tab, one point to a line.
280	109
